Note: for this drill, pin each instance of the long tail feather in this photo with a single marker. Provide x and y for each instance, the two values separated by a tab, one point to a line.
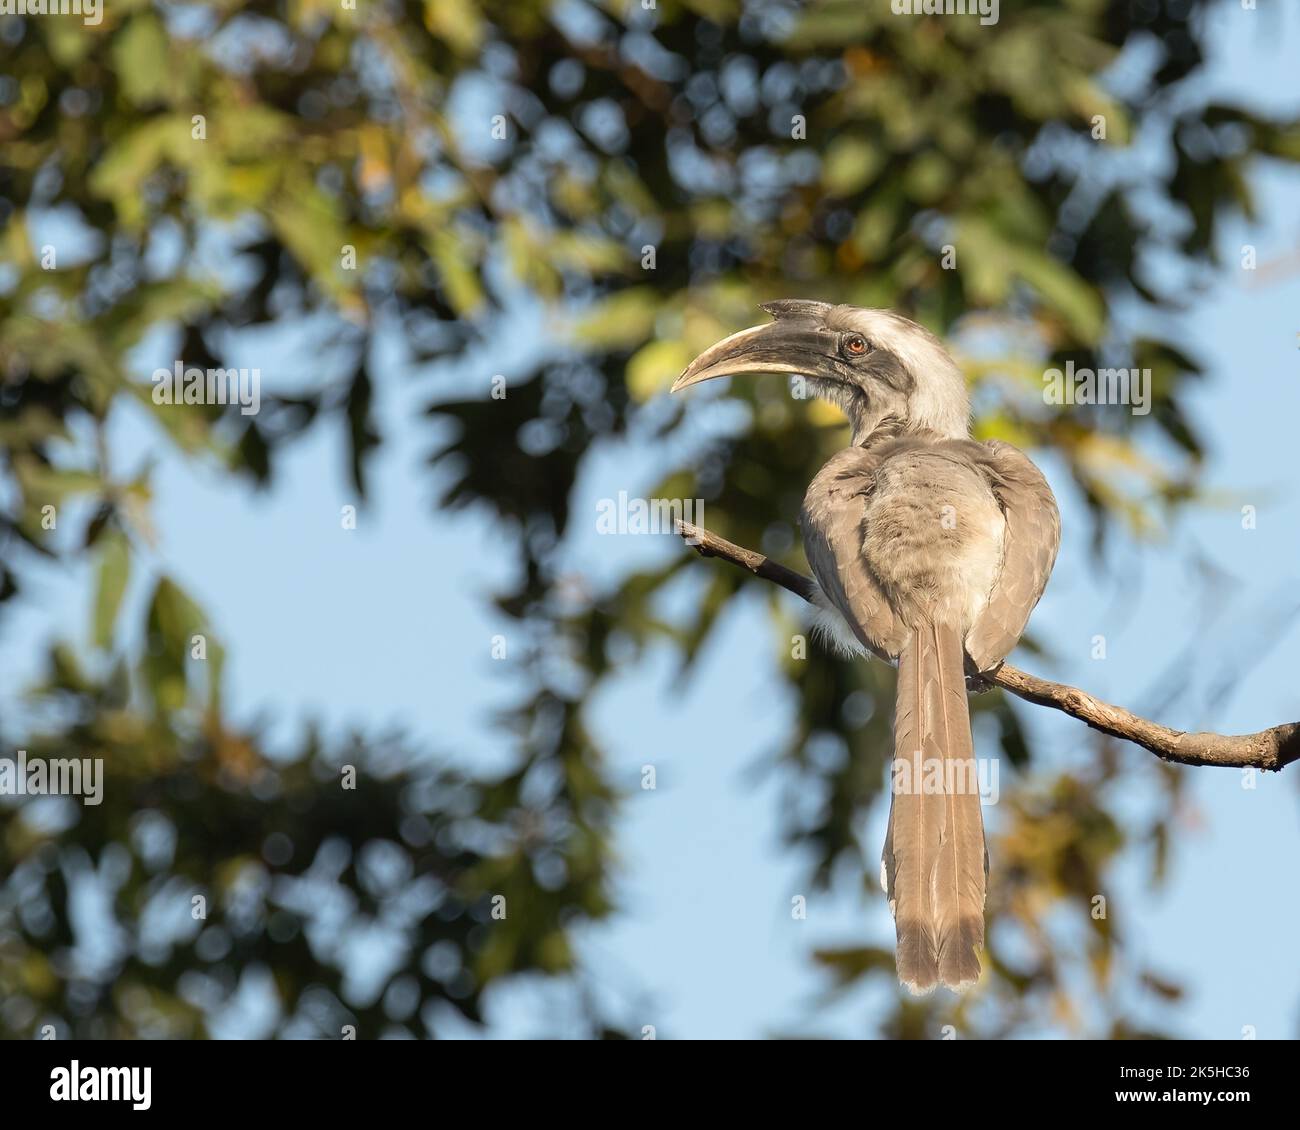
915	829
934	861
959	878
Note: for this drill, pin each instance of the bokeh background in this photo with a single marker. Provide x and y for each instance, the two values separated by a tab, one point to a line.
386	206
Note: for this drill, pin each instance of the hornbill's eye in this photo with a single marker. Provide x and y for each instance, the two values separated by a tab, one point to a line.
855	345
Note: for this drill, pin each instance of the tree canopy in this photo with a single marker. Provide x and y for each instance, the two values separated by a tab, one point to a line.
649	172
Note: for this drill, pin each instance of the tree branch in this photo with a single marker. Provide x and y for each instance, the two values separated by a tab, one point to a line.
1269	749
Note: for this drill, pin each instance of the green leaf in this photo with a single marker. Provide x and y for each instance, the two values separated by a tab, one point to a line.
982	263
653	367
850	164
140	60
457	264
114	569
459	23
620	321
1077	302
847	965
172	622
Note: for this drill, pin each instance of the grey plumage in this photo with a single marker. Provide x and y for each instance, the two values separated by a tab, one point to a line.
934	549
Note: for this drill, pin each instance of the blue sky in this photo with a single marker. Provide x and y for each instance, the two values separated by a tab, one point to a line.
390	626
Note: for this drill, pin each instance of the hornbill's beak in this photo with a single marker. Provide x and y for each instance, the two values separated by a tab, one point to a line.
797	342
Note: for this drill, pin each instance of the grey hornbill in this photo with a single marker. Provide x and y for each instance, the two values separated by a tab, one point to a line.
933	549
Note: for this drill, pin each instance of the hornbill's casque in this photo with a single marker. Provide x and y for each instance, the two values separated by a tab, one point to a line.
933	549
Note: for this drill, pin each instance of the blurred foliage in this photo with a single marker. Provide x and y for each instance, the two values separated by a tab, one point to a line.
649	175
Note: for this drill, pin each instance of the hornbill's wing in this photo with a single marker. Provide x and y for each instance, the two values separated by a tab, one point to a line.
1033	534
833	514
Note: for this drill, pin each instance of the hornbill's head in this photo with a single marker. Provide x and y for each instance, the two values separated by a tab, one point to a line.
875	364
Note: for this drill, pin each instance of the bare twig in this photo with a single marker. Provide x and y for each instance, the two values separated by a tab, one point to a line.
1269	749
